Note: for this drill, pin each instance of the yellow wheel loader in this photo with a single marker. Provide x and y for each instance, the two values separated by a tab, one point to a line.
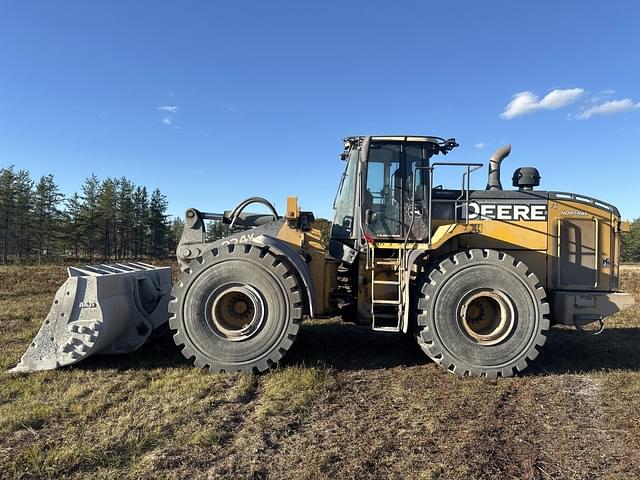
477	276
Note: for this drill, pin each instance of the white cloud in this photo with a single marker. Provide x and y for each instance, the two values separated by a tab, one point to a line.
599	97
524	103
608	108
480	146
168	113
168	108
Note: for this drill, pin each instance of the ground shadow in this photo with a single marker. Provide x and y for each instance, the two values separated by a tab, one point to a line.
158	352
328	344
570	351
347	347
344	346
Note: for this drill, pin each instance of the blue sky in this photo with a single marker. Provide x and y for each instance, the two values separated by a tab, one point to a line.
216	101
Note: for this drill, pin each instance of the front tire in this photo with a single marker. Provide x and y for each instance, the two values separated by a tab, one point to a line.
481	313
236	308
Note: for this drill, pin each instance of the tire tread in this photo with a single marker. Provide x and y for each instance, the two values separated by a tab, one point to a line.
427	290
278	266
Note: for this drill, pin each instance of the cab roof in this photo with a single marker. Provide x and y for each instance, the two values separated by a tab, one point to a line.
443	146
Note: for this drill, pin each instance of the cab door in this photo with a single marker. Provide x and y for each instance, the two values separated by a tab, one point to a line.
417	189
382	195
397	188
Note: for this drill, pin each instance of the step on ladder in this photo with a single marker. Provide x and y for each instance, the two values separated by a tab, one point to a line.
386	302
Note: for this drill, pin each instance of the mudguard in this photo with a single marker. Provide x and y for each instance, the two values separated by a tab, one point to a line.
290	253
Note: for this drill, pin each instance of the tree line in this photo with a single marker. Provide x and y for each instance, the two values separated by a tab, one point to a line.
630	243
110	219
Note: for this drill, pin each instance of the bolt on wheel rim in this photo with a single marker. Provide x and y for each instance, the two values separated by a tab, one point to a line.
234	311
486	316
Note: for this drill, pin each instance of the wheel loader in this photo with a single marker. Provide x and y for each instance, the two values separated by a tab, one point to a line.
476	276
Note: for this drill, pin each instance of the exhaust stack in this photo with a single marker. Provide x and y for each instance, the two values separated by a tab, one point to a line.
494	167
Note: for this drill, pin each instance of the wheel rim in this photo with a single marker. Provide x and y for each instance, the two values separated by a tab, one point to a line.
235	311
486	316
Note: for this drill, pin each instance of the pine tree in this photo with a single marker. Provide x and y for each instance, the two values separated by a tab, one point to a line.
73	224
23	188
158	228
46	215
89	215
216	230
140	221
7	209
124	217
630	243
107	217
175	233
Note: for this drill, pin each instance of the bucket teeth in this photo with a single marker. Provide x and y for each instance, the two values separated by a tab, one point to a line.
75	356
85	330
99	310
76	343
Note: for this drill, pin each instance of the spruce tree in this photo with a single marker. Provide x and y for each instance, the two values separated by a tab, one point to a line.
158	228
140	221
124	217
23	189
73	224
107	217
46	216
630	243
89	215
175	232
7	209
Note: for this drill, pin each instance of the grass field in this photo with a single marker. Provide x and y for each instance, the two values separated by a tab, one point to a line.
346	403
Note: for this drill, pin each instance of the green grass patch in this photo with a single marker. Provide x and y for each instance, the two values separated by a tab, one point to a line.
293	389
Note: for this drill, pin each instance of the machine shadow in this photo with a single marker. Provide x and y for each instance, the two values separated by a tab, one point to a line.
326	344
346	347
158	352
569	351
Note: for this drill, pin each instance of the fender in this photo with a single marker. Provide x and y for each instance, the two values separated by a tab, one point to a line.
287	251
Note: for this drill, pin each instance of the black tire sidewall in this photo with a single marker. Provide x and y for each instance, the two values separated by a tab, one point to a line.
220	353
448	331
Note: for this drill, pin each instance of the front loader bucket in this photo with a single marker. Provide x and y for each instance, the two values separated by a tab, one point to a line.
106	309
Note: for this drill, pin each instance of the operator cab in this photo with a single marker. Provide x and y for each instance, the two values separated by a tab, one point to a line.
385	191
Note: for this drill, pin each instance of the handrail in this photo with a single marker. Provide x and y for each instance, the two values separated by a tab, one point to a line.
466	186
596	260
558	242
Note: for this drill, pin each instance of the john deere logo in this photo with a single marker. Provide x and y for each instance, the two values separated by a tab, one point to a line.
508	212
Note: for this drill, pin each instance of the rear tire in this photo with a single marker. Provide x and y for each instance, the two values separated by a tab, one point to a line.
481	313
236	308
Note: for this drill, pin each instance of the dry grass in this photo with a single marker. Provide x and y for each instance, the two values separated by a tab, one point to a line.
346	403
